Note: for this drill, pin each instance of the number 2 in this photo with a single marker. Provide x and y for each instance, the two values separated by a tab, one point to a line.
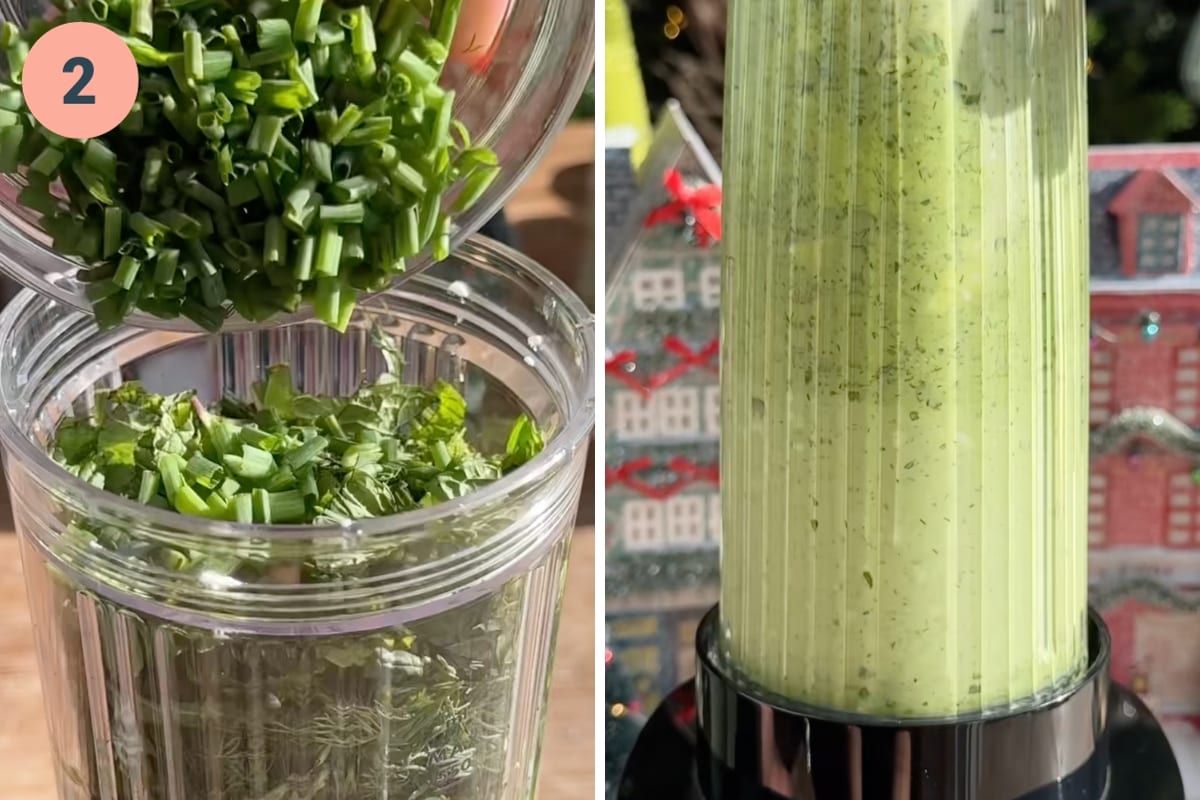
87	70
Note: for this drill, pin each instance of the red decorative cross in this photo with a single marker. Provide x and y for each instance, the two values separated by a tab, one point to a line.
688	359
617	365
693	472
686	472
699	207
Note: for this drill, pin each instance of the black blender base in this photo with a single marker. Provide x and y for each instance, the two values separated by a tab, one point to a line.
663	764
721	738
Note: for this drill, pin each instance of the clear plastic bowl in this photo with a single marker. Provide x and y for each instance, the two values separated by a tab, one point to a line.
424	676
537	71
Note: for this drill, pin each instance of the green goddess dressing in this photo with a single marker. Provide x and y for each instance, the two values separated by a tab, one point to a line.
904	323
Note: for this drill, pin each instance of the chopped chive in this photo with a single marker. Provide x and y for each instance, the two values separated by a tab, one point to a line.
302	258
473	187
350	117
203	471
243	505
408	227
318	159
148	486
411	66
408	178
127	270
327	304
372	130
114	221
274	34
165	266
362	34
274	243
267	150
341	214
193	56
308	16
329	251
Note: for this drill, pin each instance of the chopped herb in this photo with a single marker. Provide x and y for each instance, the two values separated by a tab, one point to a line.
277	154
420	710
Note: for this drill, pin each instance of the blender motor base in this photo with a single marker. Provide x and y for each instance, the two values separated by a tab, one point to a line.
720	738
662	765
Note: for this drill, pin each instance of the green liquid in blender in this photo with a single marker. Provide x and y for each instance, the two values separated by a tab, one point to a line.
904	322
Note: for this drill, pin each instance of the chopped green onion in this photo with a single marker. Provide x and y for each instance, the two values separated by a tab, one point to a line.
329	251
272	155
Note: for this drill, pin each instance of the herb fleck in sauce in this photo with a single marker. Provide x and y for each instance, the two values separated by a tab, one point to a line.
904	373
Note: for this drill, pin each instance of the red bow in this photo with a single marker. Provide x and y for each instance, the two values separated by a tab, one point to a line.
702	206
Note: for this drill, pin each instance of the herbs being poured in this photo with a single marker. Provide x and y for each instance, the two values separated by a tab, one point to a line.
278	153
411	711
289	457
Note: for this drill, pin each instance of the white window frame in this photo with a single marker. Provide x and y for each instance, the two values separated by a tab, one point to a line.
660	289
642	525
1154	232
1097	510
1100	406
678	410
1183	511
714	517
712	410
709	281
636	417
1186	385
685	522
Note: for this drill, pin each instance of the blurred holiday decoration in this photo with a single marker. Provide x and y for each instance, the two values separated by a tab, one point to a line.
695	75
626	113
1144	66
1138	70
622	719
661	505
1144	490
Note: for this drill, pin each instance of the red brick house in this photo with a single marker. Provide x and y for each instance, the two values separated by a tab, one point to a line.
1144	496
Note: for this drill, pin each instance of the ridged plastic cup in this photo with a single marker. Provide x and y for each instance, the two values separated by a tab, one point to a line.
425	676
516	104
904	327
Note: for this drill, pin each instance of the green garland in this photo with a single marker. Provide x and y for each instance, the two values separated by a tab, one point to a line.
1153	423
628	574
1146	590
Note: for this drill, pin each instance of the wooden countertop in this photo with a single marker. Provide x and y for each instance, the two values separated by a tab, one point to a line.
567	758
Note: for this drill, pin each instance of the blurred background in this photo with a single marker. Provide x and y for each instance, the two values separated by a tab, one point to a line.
1144	66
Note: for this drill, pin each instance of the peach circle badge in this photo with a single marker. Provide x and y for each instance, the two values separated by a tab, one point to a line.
478	32
80	80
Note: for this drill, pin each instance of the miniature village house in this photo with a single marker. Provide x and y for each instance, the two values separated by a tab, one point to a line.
1144	492
662	505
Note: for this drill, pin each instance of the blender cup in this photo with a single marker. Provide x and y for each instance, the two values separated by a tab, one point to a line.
904	387
179	676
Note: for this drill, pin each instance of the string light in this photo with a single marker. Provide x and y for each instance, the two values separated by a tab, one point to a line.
676	22
1151	326
618	710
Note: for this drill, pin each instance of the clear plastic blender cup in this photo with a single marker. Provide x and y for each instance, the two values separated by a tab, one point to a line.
422	673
